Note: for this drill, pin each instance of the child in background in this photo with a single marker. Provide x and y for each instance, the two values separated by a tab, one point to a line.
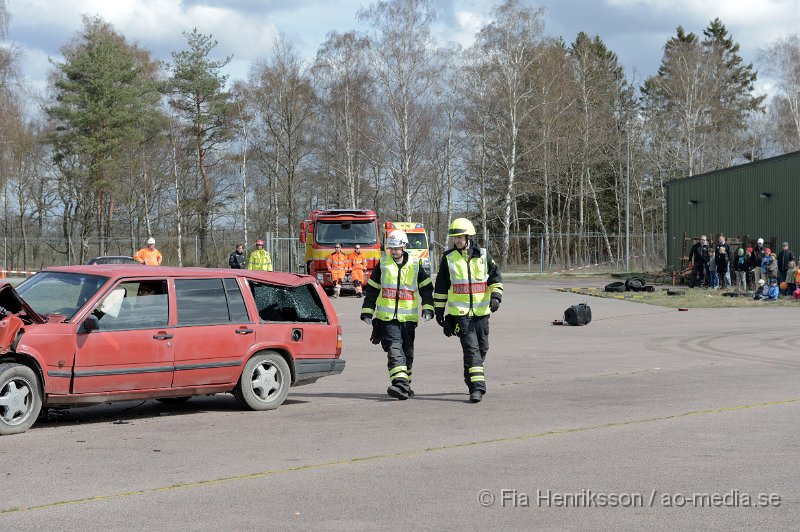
762	292
739	267
752	275
791	276
772	268
711	267
773	288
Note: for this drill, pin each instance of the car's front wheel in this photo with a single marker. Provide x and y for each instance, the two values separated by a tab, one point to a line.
264	383
20	398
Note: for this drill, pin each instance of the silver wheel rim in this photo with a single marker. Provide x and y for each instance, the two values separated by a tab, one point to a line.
16	401
266	381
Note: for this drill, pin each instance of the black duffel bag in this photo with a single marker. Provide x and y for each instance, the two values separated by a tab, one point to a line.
579	314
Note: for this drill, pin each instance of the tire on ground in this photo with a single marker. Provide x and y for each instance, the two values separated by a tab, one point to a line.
616	286
20	398
264	382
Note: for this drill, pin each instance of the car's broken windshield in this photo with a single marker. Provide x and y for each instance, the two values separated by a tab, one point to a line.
59	292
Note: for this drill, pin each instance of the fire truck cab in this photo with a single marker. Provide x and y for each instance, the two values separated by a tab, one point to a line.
325	228
417	248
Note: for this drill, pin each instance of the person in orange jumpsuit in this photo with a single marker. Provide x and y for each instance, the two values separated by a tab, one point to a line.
357	264
149	255
337	265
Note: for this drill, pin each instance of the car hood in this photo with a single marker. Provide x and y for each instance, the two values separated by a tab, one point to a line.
11	301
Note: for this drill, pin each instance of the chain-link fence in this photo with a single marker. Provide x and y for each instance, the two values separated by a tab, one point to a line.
528	252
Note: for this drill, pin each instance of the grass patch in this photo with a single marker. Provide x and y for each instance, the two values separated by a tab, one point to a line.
692	298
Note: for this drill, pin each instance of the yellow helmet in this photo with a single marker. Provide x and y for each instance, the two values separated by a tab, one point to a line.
461	226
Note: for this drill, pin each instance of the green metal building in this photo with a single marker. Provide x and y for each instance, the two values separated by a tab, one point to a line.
758	199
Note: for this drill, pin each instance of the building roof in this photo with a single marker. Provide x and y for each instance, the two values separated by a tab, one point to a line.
769	160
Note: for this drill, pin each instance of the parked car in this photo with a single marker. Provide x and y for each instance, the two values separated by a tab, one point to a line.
82	335
112	259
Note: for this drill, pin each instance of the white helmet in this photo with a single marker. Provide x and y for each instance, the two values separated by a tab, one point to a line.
396	239
760	241
151	240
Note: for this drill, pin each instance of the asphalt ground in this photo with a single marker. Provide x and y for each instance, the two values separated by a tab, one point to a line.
595	427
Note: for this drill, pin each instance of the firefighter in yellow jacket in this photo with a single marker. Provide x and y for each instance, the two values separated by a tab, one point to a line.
393	295
468	289
259	258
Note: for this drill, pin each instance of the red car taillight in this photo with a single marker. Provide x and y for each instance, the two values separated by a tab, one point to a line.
338	339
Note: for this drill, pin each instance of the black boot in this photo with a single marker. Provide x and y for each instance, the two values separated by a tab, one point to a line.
476	396
397	392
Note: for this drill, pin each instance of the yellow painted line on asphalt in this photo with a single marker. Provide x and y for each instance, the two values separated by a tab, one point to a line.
402	454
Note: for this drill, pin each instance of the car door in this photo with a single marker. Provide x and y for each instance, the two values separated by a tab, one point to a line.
131	349
213	332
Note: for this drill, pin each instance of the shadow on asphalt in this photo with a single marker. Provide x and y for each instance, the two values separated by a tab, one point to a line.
124	412
381	398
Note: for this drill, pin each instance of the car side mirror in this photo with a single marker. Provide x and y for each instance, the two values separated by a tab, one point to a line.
91	323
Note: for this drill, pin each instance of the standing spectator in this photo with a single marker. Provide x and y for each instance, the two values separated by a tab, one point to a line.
698	257
337	265
770	266
357	264
752	275
791	278
723	258
784	258
148	255
740	268
711	268
259	258
236	258
758	256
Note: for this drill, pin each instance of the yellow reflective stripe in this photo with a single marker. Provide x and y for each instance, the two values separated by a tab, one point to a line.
401	375
437	295
426	282
397	369
427	307
365	310
374	284
477	378
476	369
440	304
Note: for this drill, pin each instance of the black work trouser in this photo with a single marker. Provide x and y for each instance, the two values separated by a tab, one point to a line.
474	335
397	339
698	273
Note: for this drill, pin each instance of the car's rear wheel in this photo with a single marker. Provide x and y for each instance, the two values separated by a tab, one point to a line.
20	398
264	383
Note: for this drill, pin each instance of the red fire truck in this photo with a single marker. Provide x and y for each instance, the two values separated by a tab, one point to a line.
348	227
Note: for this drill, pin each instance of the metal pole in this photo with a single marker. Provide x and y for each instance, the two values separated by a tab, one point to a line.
196	251
529	248
628	207
541	254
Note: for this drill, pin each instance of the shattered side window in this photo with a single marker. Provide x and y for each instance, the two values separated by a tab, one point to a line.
287	303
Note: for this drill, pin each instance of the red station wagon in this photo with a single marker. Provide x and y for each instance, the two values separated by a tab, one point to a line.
81	335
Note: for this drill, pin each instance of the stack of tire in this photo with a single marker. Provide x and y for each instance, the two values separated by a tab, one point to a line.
634	284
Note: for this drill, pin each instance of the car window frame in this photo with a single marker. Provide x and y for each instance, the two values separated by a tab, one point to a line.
90	307
311	287
221	280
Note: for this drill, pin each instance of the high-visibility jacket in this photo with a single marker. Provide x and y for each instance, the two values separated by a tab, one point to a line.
393	291
466	282
260	260
148	257
337	265
357	264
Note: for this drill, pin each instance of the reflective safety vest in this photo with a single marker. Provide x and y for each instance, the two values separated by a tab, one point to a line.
399	293
469	293
260	260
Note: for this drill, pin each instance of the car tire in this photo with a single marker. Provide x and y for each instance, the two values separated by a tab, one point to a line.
617	286
264	383
634	284
20	398
173	400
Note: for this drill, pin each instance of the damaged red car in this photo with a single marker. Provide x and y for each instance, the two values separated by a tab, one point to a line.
83	335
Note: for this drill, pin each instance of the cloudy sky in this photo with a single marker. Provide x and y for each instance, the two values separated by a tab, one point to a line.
635	29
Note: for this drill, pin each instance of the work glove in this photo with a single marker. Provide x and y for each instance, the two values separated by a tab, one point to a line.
494	304
375	337
440	317
427	315
366	318
447	328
